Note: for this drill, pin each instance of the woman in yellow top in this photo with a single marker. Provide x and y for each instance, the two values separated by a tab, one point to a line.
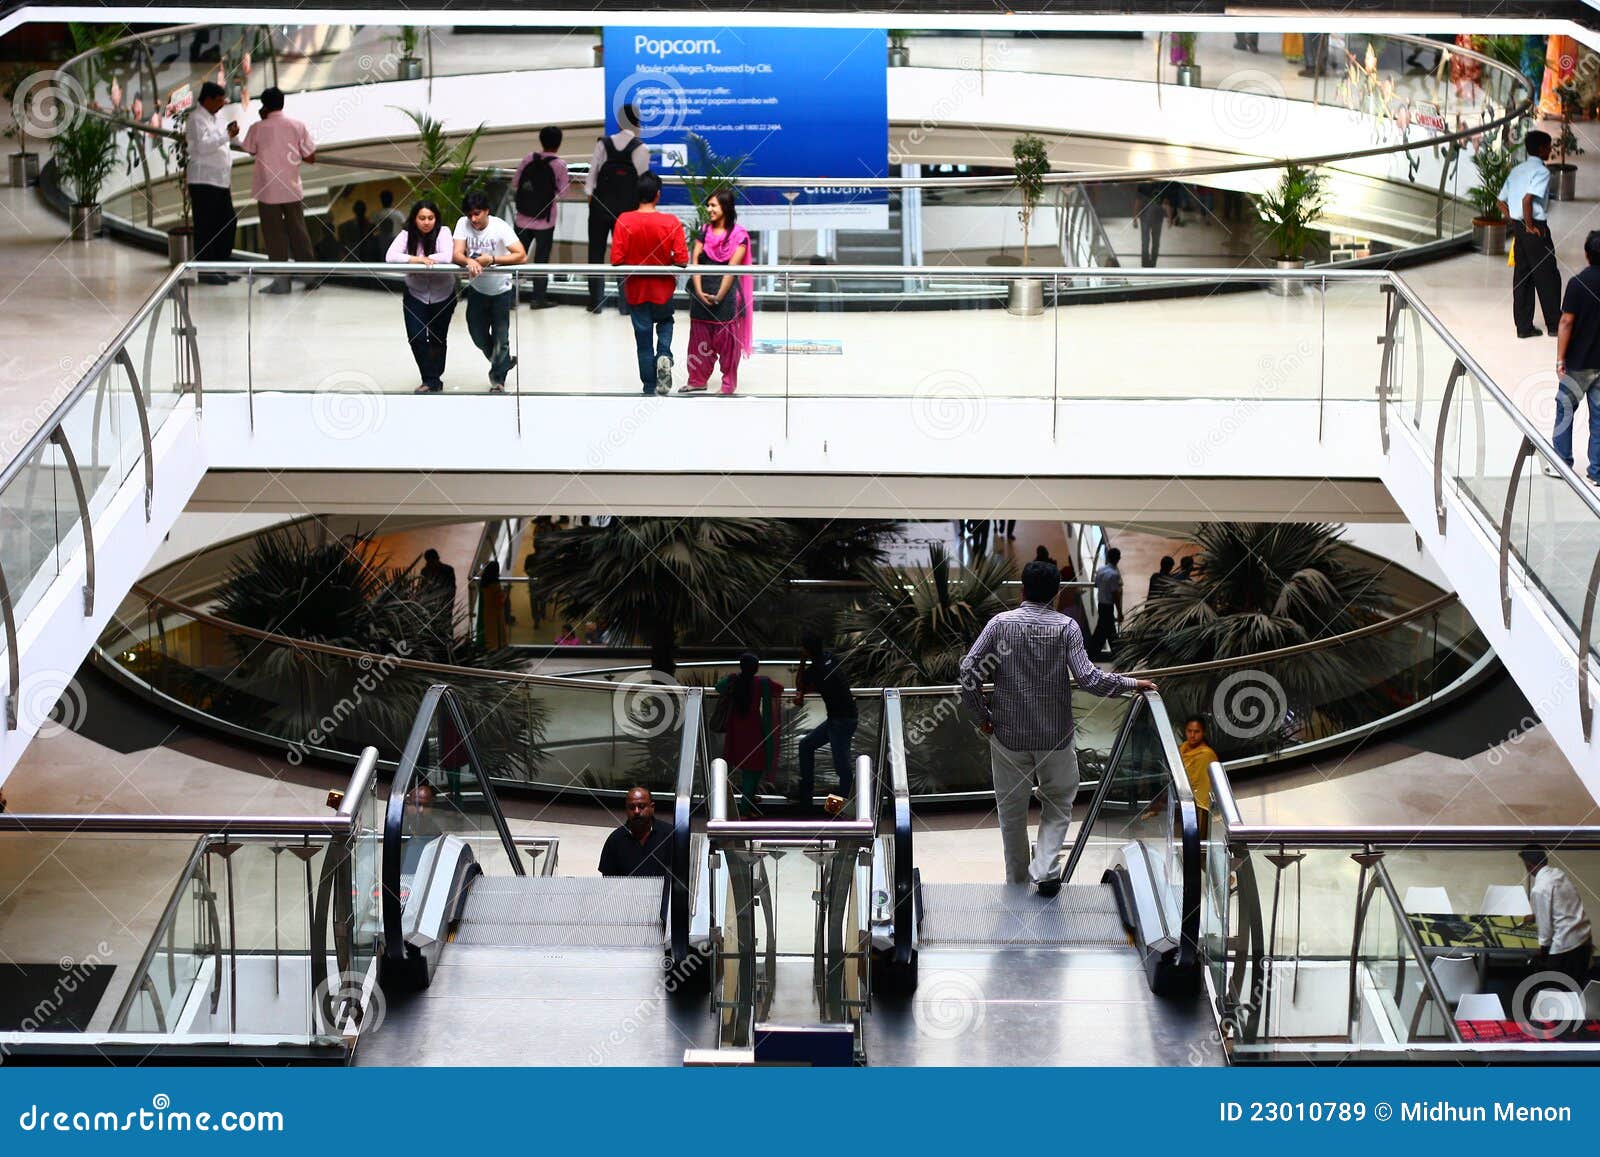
1197	760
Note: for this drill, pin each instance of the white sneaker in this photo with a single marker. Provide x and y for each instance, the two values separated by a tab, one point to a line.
663	375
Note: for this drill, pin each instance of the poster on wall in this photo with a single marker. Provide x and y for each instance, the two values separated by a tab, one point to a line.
776	102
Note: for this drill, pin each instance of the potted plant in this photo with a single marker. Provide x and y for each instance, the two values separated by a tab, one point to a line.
1030	161
1564	174
1489	226
24	164
407	42
1288	211
85	152
1183	45
899	54
180	238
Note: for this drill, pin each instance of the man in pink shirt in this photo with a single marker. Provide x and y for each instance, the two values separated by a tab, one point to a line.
280	144
537	196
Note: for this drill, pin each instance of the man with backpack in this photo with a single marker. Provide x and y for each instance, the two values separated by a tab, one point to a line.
612	187
540	183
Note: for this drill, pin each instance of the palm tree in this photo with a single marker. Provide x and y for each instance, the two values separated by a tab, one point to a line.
343	593
1261	587
660	579
913	626
841	548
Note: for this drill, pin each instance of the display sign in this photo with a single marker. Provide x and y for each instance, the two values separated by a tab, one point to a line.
766	102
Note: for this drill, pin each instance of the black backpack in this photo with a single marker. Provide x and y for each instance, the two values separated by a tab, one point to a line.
616	186
536	189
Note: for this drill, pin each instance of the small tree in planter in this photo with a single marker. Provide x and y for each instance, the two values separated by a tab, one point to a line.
1489	226
1563	173
1288	210
1183	49
445	173
85	153
407	42
899	54
1030	161
180	238
705	173
24	164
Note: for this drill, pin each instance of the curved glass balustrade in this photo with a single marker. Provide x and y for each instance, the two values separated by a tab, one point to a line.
609	729
1416	101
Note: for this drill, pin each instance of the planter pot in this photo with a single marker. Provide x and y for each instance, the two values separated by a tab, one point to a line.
1563	181
1189	75
1026	298
899	56
410	68
1489	236
599	55
85	222
180	246
1287	287
24	169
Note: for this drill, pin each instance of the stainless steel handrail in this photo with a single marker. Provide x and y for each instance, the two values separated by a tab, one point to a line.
169	913
1430	982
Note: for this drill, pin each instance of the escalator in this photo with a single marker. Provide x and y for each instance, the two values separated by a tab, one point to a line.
1106	972
491	957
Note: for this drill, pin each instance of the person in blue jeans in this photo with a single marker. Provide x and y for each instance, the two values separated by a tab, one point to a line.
1578	358
820	672
647	236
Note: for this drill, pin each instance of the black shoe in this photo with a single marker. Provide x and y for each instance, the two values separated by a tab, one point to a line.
1050	887
595	307
275	287
544	303
1530	333
214	279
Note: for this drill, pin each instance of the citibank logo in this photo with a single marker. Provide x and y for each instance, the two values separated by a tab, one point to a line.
649	46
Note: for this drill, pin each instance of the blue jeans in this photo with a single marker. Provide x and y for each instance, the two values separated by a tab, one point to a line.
489	324
1575	385
836	731
427	329
651	321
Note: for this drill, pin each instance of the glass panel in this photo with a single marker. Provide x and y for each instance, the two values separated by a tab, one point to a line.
1556	535
28	553
1420	368
1488	450
446	798
1139	807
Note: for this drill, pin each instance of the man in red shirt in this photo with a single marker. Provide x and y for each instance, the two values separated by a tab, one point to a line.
647	236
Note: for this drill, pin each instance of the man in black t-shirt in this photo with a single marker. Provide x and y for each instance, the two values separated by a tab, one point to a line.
1578	358
642	846
820	672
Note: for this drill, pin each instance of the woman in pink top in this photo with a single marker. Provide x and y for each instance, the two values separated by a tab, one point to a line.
429	298
719	307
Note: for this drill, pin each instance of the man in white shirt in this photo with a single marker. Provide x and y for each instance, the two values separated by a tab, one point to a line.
210	190
612	190
484	242
1524	202
1564	936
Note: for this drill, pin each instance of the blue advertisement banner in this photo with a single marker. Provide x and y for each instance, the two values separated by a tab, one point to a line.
789	102
917	1111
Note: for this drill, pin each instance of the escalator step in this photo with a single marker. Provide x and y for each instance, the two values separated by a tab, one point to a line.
1001	915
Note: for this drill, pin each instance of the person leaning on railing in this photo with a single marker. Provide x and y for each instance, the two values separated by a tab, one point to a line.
280	145
1034	656
1524	203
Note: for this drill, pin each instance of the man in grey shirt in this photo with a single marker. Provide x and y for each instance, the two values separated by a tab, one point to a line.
1034	656
1108	596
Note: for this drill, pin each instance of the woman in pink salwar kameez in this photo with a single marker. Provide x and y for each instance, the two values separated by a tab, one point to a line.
719	308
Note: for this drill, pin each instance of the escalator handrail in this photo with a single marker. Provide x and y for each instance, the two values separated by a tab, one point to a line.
437	696
1189	825
897	783
1103	788
690	751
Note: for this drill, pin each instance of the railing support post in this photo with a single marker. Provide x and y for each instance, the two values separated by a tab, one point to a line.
1513	484
1391	316
1438	442
1585	629
59	437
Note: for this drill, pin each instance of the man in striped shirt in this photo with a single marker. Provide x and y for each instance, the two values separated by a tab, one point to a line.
1034	656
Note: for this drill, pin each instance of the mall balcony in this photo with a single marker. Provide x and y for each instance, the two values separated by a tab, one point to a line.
244	845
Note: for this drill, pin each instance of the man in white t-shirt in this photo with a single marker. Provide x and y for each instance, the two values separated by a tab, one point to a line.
483	243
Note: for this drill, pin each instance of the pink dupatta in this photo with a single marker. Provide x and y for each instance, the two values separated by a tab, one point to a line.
721	250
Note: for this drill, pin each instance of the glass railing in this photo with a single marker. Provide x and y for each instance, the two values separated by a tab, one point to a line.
69	465
1387	944
267	941
1408	103
607	729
